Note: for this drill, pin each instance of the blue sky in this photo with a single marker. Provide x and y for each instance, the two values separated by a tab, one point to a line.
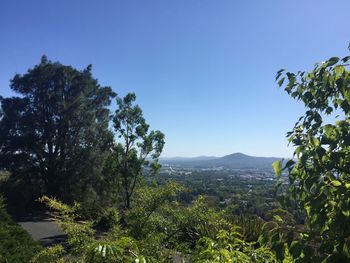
203	71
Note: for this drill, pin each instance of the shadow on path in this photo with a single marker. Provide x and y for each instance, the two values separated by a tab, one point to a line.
41	226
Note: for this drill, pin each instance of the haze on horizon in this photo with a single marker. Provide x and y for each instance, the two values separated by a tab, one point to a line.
203	71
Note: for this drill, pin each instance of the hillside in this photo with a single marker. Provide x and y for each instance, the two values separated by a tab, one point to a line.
231	161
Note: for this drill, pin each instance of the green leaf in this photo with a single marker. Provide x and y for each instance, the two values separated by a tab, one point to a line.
336	183
308	209
277	167
279	73
345	59
339	70
332	61
346	212
278	218
346	250
280	82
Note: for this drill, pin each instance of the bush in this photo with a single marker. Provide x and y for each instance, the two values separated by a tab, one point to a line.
16	245
109	218
82	244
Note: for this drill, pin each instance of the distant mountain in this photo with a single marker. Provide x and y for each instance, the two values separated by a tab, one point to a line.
197	158
240	161
231	161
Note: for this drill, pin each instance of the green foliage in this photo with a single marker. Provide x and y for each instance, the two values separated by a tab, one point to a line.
16	245
227	189
319	180
228	246
54	137
82	244
80	233
250	226
108	218
158	228
132	157
151	202
278	231
54	254
120	251
4	216
152	222
197	221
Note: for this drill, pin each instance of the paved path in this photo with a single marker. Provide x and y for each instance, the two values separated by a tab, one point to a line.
41	227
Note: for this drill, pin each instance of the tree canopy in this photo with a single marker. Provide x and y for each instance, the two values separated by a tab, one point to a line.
320	177
137	152
54	135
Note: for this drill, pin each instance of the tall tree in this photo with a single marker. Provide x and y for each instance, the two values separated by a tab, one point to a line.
320	178
138	151
54	136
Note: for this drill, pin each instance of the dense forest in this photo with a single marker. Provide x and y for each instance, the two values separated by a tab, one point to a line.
98	173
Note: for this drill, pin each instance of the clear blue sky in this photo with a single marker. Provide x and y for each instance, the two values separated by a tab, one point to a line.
203	71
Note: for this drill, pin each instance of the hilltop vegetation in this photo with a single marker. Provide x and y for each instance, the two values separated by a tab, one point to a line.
231	161
110	198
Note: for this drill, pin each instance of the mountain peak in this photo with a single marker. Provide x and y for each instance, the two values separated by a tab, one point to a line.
237	154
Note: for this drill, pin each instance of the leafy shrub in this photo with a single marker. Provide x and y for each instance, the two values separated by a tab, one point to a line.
108	219
82	244
16	245
123	250
228	246
50	255
250	226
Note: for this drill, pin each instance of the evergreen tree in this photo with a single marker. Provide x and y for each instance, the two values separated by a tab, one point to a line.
54	136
